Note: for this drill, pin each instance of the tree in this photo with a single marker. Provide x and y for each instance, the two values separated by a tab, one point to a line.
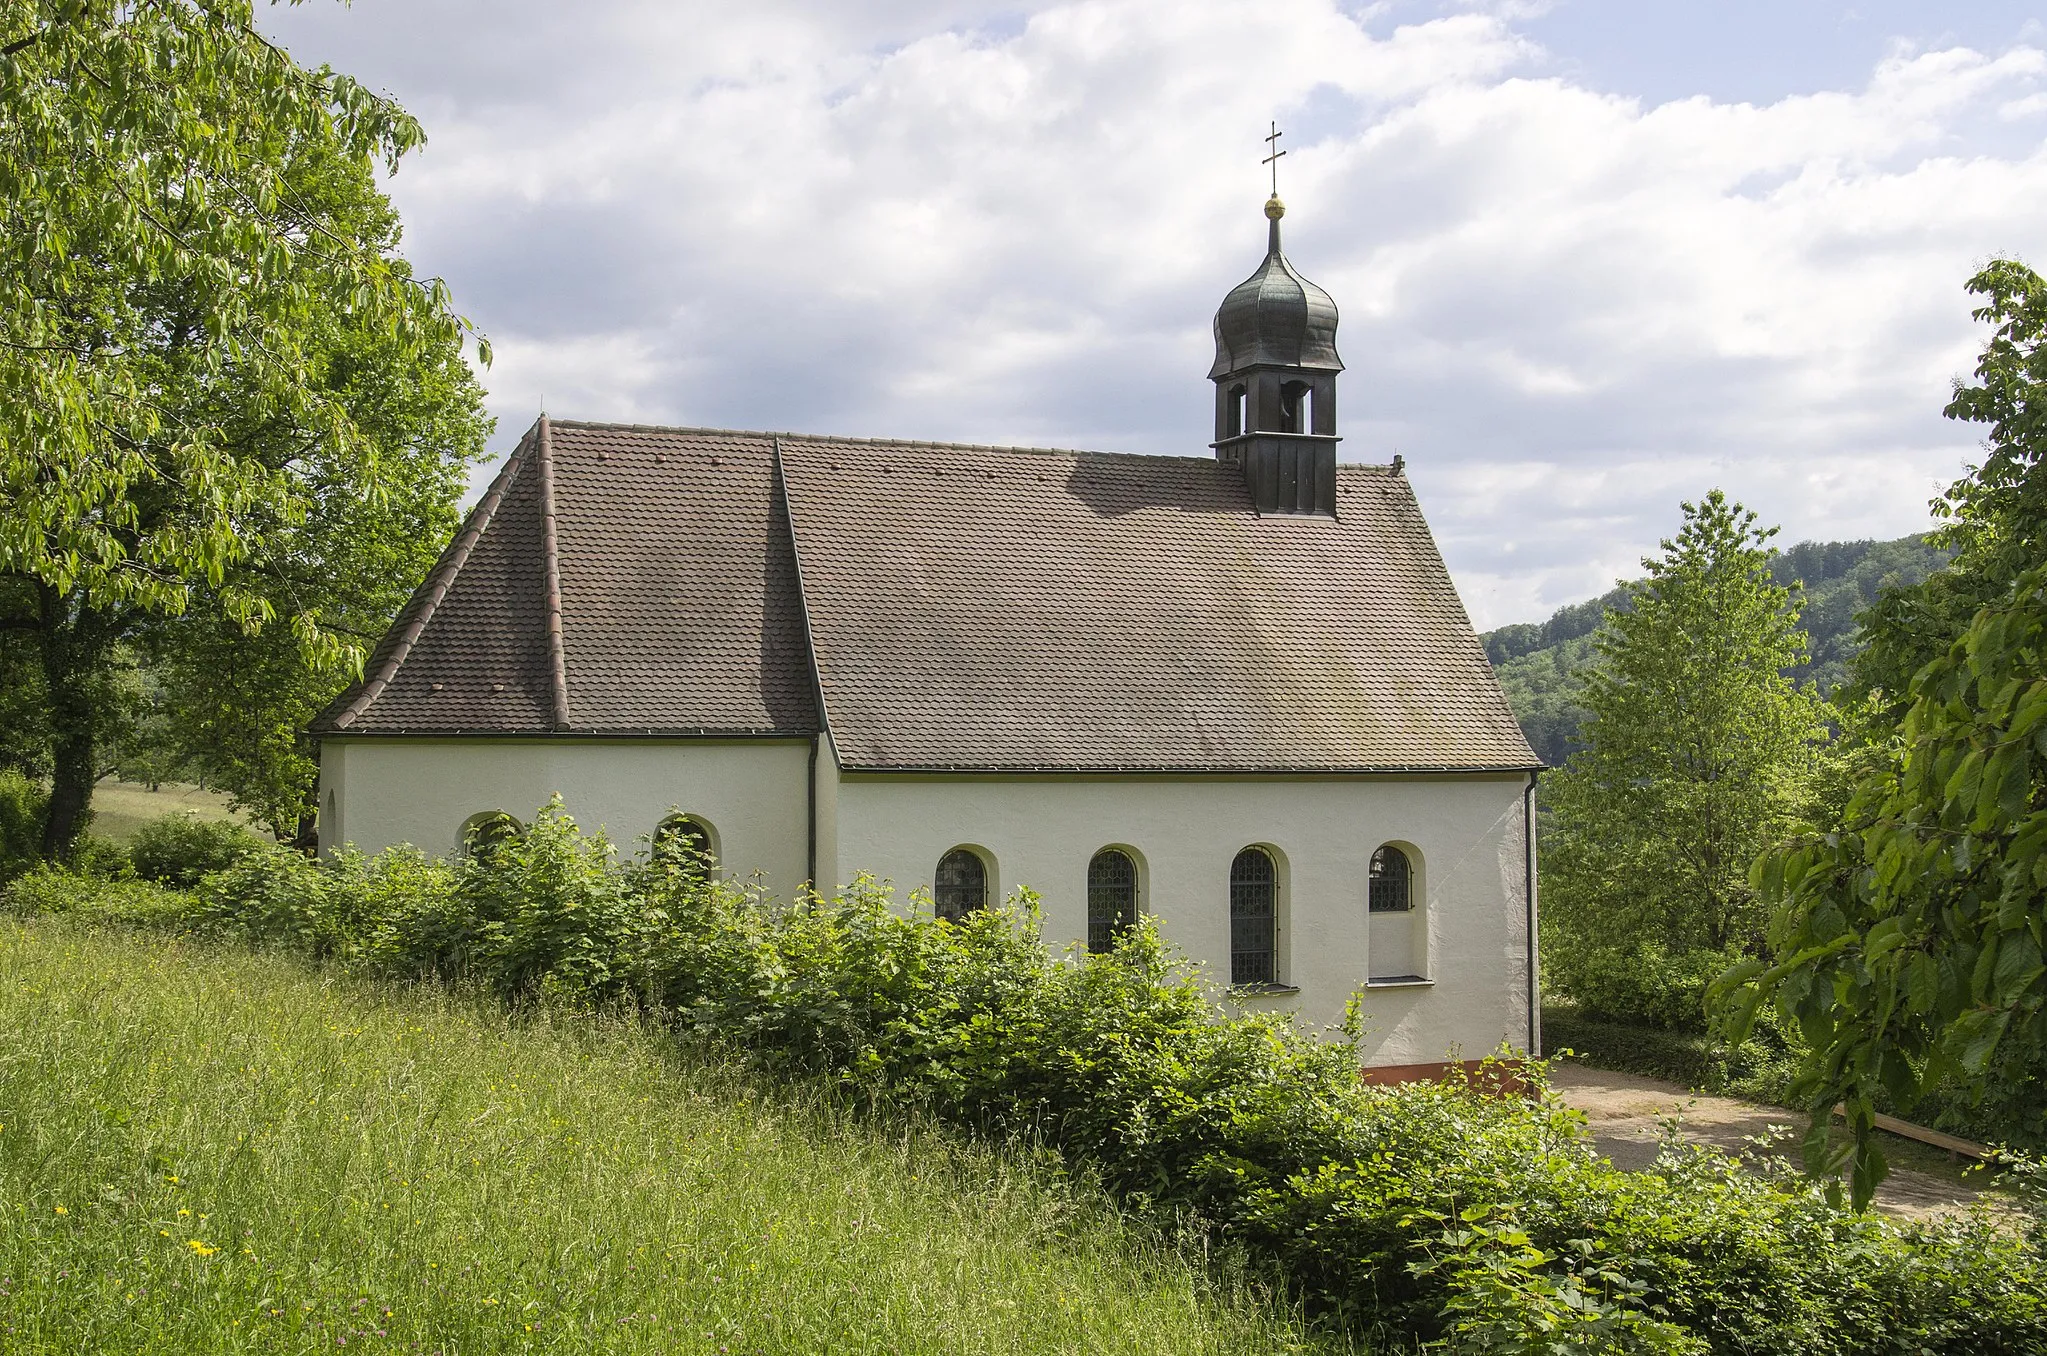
1908	937
191	249
1696	752
1993	519
237	705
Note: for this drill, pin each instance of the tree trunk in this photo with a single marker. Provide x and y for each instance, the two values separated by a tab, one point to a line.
76	644
70	792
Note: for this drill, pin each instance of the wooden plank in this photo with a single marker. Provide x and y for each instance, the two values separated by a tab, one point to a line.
1907	1130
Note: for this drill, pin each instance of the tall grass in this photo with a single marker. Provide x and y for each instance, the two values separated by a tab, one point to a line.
204	1150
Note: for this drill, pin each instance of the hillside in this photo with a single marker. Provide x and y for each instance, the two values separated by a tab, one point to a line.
1536	660
204	1150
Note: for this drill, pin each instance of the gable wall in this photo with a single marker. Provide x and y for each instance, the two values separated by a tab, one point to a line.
419	791
1466	834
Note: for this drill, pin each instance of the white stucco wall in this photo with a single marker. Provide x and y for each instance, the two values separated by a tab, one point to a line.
419	791
1463	834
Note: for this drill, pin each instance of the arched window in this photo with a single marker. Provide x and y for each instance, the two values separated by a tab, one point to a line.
1254	887
1111	898
962	884
483	834
1296	407
684	841
1387	890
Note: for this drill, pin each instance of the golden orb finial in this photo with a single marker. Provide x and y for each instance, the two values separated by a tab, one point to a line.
1274	208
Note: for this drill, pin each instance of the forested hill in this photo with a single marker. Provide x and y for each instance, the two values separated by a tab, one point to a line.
1535	660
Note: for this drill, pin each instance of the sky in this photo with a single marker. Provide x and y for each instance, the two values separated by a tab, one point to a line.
1593	257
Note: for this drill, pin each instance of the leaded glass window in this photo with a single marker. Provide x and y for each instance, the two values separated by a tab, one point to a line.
1387	891
962	884
680	840
1111	898
485	834
1253	889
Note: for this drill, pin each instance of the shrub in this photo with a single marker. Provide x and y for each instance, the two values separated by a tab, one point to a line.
52	889
95	854
1642	984
23	803
178	849
1421	1212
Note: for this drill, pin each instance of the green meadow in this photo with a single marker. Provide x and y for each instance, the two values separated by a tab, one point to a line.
208	1150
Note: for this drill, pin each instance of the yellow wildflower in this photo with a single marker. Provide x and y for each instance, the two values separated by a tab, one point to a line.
202	1249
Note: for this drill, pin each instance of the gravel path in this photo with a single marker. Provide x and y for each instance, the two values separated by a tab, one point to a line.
1623	1114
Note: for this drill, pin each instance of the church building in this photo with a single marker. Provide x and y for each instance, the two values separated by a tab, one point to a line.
1236	691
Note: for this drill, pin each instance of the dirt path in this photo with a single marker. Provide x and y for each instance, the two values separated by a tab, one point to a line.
1623	1113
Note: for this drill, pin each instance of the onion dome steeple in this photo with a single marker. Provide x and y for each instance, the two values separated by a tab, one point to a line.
1275	383
1275	317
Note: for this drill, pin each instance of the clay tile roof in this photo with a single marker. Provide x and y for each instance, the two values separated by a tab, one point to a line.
967	608
677	589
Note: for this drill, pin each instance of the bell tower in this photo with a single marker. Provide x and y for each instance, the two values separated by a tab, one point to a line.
1275	383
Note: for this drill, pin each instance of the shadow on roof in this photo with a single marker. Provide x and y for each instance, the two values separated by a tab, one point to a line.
1126	485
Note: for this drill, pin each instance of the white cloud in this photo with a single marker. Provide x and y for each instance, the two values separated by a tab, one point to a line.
615	373
1568	310
2030	106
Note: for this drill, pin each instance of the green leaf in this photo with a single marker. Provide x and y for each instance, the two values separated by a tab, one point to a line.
1974	1037
1871	1167
2018	966
1922	983
1886	936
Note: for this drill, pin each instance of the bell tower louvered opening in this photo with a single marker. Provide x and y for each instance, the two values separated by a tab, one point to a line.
1275	384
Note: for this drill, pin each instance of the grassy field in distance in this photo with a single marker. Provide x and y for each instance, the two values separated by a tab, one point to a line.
212	1150
120	808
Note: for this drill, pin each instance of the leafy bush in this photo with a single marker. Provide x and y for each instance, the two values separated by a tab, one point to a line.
23	803
51	889
1644	984
1420	1212
2001	1108
178	849
95	854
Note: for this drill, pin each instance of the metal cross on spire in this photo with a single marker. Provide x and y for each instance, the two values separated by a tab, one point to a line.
1273	159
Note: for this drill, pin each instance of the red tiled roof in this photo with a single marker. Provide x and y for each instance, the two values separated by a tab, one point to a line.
967	607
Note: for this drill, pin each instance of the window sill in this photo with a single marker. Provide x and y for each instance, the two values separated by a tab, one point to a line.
1262	990
1401	982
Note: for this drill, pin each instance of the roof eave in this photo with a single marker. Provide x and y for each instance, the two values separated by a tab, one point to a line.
1187	770
536	732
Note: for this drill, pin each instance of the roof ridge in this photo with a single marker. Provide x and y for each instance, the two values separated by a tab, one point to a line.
771	437
550	557
436	585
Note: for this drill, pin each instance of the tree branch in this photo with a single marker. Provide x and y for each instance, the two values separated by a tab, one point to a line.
23	44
